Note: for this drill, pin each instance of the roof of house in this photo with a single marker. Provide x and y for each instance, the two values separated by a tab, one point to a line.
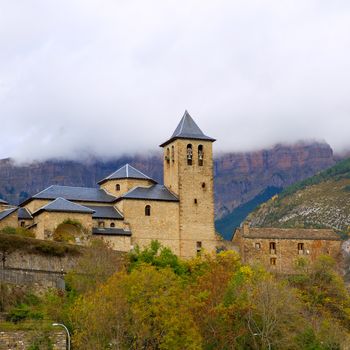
290	233
187	129
5	213
111	231
79	194
105	212
24	214
65	206
155	192
2	201
127	172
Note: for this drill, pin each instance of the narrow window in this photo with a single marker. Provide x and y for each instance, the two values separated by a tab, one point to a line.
189	154
22	223
300	248
167	157
147	210
200	155
173	153
101	224
203	184
195	201
272	248
117	187
257	246
198	247
273	261
112	224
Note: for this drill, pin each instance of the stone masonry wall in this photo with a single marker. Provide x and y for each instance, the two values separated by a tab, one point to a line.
125	185
11	220
22	340
286	253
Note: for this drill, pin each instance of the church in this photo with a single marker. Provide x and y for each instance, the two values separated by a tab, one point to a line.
129	208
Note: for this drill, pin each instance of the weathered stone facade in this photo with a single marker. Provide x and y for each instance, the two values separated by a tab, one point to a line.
279	249
22	340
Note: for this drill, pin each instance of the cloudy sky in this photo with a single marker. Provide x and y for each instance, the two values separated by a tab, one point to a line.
107	77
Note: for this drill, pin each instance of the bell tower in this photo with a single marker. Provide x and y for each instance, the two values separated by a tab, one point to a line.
188	172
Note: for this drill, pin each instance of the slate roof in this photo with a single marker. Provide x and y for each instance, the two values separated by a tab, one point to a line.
65	206
77	194
155	192
24	214
290	233
187	129
111	231
105	212
5	213
127	172
2	201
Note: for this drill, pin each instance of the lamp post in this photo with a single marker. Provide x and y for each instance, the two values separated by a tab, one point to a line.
67	331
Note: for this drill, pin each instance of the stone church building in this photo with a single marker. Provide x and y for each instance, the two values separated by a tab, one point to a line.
129	208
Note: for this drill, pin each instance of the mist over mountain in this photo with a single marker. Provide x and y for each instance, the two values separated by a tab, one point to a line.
239	178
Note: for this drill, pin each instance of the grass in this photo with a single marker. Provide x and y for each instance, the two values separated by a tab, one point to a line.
11	242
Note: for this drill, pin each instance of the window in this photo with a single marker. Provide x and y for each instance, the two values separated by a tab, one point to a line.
189	154
101	224
198	247
167	157
200	155
173	153
112	224
147	210
272	248
22	223
273	261
257	245
203	184
117	187
195	201
300	248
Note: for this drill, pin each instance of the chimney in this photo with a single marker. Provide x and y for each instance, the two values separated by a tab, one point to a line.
245	227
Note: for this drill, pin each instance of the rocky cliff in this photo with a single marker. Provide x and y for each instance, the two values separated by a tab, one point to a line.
239	177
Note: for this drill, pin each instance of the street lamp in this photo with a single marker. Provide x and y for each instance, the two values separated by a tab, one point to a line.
67	331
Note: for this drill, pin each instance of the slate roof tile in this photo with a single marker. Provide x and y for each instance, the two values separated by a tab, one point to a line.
155	192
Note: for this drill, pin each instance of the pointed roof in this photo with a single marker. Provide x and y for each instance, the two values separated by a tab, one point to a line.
127	172
155	192
5	213
187	129
63	205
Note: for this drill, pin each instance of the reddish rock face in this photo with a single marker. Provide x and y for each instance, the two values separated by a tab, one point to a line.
239	177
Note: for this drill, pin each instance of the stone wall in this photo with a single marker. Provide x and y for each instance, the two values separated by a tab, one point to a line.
125	185
194	186
161	225
22	340
11	220
284	257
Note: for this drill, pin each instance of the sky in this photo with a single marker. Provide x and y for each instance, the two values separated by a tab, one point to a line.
113	77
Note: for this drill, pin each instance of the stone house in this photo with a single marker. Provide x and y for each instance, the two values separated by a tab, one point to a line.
278	249
131	208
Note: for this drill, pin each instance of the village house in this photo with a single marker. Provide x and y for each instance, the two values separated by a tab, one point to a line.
278	249
129	207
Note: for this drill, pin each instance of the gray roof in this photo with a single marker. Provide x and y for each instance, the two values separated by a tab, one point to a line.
111	231
187	129
24	214
63	205
105	212
6	213
82	194
127	172
155	192
2	201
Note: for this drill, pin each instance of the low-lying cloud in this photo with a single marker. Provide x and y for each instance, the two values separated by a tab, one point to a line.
110	77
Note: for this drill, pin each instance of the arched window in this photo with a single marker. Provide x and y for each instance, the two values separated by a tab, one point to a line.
112	224
189	154
147	210
167	157
200	155
173	153
117	187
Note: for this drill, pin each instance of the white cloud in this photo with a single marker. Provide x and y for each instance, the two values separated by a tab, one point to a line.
109	77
